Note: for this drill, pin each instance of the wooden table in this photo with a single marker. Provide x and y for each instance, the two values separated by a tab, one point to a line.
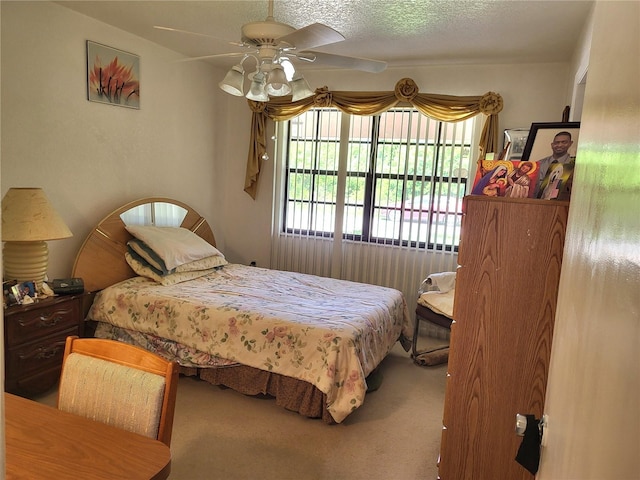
44	443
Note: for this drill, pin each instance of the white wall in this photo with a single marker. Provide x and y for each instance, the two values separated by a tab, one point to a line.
89	157
579	69
593	392
531	92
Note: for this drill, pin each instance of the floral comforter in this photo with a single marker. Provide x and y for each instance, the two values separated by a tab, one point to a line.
330	333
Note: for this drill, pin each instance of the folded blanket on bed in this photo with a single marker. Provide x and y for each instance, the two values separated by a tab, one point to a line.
441	303
442	282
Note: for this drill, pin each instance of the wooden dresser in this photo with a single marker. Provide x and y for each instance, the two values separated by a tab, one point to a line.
34	339
506	289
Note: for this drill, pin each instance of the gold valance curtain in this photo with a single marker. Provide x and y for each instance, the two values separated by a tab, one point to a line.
447	108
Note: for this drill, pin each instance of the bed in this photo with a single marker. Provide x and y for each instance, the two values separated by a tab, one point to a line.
310	342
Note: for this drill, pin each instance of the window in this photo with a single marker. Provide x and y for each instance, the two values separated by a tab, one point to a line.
397	178
160	214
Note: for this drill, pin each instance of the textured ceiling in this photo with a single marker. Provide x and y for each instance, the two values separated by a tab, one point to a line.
400	32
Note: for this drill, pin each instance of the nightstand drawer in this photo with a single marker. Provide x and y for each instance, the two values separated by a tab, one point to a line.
35	383
31	324
40	355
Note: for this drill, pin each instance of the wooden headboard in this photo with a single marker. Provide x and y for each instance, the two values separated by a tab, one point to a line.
100	261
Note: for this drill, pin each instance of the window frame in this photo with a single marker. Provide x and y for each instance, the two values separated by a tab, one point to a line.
372	177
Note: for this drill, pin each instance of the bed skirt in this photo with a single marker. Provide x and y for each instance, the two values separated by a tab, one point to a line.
295	395
290	393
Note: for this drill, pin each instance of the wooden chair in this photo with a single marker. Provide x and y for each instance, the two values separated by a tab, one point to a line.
120	385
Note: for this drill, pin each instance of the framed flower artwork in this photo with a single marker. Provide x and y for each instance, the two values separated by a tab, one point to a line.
113	76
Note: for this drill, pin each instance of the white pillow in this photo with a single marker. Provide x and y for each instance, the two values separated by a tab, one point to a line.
174	245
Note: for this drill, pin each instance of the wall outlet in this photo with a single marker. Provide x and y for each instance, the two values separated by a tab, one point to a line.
545	426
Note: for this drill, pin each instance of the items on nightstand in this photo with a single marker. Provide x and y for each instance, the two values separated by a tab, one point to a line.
46	290
67	286
21	293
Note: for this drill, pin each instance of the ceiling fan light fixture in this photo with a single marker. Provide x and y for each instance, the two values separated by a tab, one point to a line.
300	88
273	45
257	91
277	85
233	81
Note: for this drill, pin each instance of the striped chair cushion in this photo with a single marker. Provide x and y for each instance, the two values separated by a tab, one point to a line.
110	393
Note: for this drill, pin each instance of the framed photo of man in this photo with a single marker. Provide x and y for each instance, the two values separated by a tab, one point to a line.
542	141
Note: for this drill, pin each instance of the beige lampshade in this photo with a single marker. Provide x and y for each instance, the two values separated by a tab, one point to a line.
28	220
27	216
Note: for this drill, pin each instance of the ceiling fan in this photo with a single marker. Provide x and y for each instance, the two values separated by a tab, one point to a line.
273	45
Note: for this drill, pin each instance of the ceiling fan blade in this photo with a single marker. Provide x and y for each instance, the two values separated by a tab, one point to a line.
177	30
206	57
341	61
311	36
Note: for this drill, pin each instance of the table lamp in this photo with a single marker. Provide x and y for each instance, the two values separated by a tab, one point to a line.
28	221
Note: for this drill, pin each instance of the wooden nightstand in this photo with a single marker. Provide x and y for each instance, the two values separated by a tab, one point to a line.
34	339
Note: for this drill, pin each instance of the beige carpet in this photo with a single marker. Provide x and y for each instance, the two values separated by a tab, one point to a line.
220	434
